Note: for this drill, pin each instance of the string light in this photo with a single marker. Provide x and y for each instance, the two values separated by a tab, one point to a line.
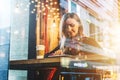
40	7
54	24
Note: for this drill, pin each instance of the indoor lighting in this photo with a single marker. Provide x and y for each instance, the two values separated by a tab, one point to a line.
54	24
39	7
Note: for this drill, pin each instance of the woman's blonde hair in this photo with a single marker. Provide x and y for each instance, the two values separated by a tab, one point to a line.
63	33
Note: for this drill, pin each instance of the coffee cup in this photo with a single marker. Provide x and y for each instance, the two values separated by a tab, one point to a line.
40	51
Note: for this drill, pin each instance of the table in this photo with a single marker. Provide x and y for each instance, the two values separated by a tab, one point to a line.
67	67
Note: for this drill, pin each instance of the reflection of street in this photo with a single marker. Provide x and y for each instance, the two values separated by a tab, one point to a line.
4	35
4	51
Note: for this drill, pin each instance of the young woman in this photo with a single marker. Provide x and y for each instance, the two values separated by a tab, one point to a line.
73	41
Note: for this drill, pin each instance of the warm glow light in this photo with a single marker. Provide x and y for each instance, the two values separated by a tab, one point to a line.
54	24
44	13
39	2
48	7
57	9
39	7
51	3
39	11
115	37
55	2
115	30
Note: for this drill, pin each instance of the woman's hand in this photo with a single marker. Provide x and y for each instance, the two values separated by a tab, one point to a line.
58	52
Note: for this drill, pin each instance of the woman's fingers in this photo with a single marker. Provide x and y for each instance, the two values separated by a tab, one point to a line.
58	52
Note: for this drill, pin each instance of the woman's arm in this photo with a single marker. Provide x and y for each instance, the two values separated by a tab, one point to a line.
53	51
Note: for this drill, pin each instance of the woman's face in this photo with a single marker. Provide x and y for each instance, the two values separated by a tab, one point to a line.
71	27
